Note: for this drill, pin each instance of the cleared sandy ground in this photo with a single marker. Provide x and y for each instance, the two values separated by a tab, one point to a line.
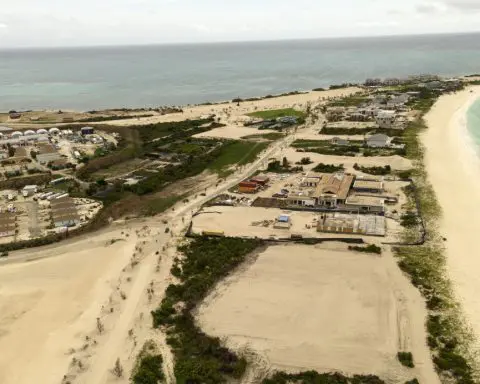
453	169
233	132
237	222
396	162
302	307
45	305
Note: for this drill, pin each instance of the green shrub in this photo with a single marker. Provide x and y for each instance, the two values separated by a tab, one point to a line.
406	359
372	248
328	168
149	370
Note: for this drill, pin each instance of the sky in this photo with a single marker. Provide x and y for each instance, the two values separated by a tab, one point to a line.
50	23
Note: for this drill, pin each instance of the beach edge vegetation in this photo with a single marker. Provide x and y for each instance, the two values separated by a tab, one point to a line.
449	337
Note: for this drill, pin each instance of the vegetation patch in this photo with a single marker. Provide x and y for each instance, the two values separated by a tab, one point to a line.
354	148
276	166
276	113
378	171
328	168
272	136
148	368
112	118
312	377
406	359
200	358
372	248
448	337
236	153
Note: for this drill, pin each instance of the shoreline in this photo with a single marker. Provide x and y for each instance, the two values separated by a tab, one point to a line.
452	166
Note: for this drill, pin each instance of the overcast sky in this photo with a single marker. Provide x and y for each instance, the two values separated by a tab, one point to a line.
35	23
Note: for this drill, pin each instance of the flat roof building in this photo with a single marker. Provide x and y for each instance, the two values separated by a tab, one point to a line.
365	204
369	186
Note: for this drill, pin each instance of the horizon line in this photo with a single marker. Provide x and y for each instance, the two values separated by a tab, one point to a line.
53	47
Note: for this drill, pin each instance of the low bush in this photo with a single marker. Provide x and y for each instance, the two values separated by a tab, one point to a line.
372	248
406	359
328	168
312	377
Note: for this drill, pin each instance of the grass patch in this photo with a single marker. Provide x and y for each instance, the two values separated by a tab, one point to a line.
276	113
236	153
155	206
272	136
406	359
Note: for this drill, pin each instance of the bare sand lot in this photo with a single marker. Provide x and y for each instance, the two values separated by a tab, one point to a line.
248	222
396	162
233	132
45	304
302	307
453	169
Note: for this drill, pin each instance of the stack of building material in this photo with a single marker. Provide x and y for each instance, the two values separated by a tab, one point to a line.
64	212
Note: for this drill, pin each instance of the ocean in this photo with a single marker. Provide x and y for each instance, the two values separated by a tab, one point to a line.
148	76
473	124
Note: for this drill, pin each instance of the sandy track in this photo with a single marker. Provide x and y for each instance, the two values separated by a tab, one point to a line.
45	304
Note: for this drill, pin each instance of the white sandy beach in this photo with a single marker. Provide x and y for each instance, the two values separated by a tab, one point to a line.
454	170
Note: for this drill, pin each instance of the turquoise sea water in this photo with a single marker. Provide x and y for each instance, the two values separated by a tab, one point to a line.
93	78
473	123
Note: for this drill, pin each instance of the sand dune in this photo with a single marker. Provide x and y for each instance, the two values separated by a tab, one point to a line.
46	304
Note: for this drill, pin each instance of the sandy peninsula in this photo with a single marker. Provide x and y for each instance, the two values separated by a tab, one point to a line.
453	167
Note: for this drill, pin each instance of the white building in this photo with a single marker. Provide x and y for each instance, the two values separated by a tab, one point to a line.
29	190
379	141
386	119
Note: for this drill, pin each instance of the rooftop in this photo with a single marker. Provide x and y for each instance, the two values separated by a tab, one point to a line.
365	201
368	184
338	184
46	148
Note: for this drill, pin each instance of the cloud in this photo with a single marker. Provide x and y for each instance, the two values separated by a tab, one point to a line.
427	8
377	23
463	5
3	26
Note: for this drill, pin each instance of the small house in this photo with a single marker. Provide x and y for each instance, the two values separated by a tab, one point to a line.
87	131
368	186
378	141
365	204
386	119
47	153
29	190
339	141
262	180
248	187
282	222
